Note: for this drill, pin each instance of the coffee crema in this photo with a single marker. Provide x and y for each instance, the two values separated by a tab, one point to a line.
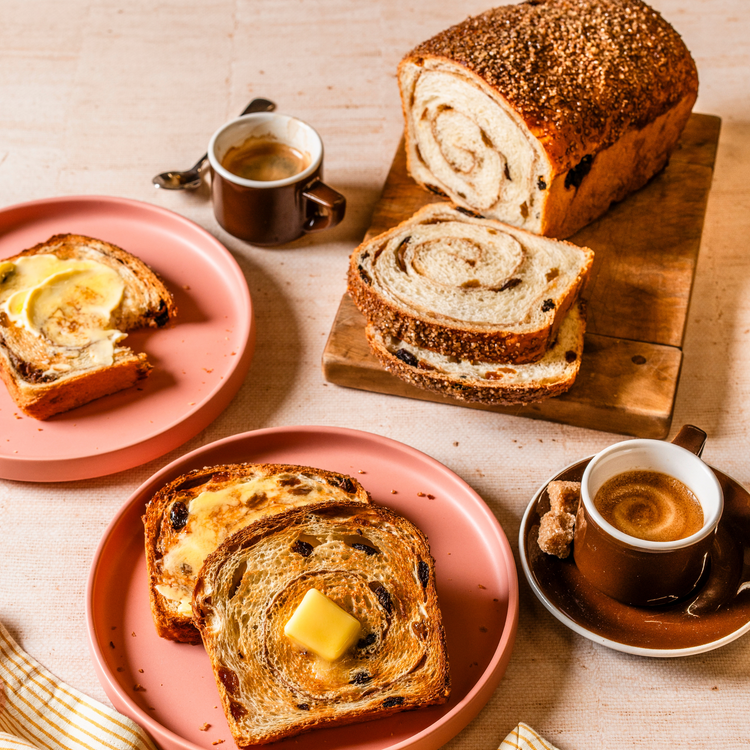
649	505
265	160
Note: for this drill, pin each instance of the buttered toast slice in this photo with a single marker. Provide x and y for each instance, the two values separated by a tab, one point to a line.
366	560
191	516
65	306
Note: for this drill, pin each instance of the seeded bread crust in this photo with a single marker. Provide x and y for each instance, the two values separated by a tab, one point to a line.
367	559
500	385
516	340
147	303
593	93
162	536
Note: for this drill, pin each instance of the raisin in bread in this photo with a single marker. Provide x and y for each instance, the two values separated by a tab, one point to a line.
541	114
487	382
370	561
65	306
467	287
192	515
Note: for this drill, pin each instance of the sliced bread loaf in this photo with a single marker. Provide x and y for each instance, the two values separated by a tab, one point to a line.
467	287
366	559
65	306
192	515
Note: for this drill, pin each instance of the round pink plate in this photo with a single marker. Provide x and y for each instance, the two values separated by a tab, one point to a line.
169	689
199	363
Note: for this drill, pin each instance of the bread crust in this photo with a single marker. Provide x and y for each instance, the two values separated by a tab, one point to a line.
278	676
603	80
161	537
150	305
505	391
456	338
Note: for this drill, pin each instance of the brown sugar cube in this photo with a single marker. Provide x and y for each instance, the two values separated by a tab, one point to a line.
564	496
556	533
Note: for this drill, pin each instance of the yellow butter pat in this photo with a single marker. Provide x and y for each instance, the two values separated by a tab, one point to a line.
321	626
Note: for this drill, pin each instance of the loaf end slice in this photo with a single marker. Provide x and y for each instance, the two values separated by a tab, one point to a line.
488	382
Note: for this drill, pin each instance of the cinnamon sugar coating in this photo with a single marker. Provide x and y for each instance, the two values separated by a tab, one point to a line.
579	72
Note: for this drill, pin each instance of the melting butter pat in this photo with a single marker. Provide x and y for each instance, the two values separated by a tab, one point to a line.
321	626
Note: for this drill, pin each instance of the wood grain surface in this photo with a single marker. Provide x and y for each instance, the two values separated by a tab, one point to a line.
646	250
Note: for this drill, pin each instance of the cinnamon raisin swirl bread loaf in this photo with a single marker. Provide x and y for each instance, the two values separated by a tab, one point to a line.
542	114
191	516
467	287
365	560
487	382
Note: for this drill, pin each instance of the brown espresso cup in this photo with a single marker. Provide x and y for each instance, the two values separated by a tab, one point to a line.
267	179
646	572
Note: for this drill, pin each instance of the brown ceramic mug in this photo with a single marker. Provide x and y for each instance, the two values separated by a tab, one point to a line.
636	571
277	208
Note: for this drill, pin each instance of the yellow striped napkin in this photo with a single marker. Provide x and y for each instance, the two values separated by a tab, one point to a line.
39	711
523	737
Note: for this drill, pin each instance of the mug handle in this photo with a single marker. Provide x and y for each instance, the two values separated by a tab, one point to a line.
333	206
691	438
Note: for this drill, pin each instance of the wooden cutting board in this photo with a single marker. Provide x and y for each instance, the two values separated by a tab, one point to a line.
638	296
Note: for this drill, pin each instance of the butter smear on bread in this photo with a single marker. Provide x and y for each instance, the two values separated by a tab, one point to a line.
67	302
321	626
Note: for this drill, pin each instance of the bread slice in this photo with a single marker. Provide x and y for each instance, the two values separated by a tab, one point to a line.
65	305
467	287
188	518
488	382
370	561
541	114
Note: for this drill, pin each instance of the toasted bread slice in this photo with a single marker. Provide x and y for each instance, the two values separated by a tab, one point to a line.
368	560
488	382
467	287
65	305
191	516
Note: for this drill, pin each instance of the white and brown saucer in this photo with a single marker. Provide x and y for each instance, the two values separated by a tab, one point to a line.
714	614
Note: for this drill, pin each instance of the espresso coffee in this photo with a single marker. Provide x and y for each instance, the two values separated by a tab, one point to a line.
265	160
649	505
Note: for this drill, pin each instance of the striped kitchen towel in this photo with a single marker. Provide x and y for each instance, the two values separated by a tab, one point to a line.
40	712
523	737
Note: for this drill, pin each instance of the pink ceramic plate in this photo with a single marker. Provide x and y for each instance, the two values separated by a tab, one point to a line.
169	688
199	364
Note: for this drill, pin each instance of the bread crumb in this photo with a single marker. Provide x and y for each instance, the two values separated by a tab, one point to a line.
139	688
217	742
204	728
141	671
393	492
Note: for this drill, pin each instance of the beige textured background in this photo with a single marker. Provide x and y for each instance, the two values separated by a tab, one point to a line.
96	96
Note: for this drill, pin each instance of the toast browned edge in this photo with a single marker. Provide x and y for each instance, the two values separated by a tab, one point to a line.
497	393
267	527
43	400
463	341
181	628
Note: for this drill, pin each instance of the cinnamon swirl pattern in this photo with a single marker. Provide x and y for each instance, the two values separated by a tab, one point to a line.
541	114
467	287
368	560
